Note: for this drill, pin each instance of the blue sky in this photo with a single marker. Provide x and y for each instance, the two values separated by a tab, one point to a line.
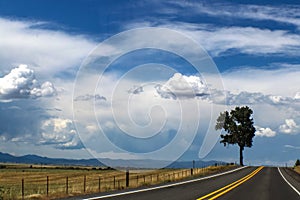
255	46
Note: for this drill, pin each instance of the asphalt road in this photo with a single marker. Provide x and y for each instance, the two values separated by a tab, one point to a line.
266	183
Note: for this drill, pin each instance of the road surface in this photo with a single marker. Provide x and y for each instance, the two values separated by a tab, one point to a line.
247	183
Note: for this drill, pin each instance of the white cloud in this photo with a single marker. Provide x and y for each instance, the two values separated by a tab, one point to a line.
45	90
290	127
136	89
21	83
254	80
237	39
283	14
59	132
276	99
88	97
297	96
181	86
247	40
249	98
48	51
292	147
264	132
91	128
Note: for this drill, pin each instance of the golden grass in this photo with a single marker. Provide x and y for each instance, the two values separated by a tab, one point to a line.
70	182
297	169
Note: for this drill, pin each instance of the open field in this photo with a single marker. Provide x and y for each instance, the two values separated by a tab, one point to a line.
39	182
297	169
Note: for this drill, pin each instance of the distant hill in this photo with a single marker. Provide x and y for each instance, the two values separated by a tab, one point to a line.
34	159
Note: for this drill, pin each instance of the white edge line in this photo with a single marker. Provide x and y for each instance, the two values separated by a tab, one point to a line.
288	182
165	186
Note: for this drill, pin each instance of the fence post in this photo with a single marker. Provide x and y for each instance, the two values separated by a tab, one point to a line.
193	164
84	183
99	184
47	190
67	189
114	182
22	189
127	178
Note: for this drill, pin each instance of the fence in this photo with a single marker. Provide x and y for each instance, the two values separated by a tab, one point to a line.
74	184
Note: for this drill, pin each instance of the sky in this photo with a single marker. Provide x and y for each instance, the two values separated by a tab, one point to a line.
131	79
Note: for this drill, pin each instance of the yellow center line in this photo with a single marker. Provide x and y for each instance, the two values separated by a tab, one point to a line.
223	188
234	186
230	186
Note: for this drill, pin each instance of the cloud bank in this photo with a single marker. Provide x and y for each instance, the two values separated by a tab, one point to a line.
48	51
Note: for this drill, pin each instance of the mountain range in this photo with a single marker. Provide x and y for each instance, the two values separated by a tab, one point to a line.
35	159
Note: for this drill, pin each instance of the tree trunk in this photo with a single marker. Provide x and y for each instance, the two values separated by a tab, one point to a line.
241	156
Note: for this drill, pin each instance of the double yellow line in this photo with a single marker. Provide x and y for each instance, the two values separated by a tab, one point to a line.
230	187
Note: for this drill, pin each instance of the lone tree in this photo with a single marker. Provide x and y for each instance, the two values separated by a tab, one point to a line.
239	127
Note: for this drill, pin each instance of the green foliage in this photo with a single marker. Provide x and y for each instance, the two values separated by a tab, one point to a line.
239	127
297	163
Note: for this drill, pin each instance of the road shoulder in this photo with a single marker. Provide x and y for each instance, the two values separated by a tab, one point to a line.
292	177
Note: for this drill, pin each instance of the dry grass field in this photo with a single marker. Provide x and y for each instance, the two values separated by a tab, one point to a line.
297	169
40	182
